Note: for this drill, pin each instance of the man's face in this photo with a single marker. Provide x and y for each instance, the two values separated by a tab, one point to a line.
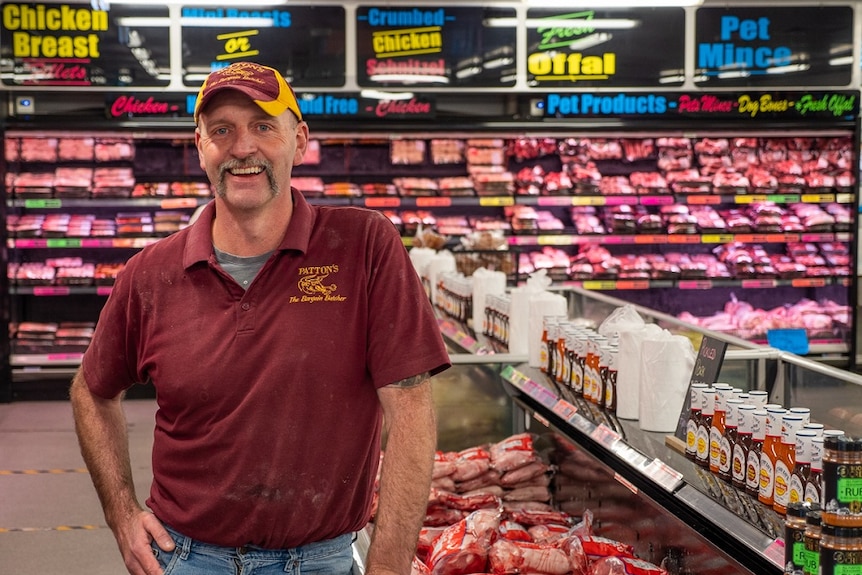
247	154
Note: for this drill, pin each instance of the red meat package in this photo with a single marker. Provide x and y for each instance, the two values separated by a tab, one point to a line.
624	566
509	557
463	548
598	547
513	452
419	568
514	531
471	463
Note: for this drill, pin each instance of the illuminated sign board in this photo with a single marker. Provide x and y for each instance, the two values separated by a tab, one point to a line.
605	48
434	46
77	46
774	46
305	43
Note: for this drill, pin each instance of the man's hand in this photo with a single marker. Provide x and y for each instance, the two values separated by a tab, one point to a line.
134	537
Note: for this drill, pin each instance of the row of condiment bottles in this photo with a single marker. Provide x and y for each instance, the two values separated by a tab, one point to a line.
772	453
580	359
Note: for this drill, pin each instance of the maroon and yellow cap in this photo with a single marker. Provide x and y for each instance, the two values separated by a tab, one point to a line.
263	84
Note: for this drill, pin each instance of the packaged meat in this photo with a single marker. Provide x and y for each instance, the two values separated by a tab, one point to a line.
471	463
624	566
463	547
513	452
514	531
510	557
596	547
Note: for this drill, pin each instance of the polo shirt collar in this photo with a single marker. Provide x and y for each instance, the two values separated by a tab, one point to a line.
200	242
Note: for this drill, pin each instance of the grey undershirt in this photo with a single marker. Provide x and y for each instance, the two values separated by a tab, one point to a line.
242	269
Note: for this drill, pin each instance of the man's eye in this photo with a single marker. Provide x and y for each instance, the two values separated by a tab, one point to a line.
220	131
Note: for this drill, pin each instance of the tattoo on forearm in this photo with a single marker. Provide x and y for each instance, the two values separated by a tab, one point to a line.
411	381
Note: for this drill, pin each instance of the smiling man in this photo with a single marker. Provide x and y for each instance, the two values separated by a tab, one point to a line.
283	340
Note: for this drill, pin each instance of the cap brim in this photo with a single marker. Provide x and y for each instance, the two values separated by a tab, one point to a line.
264	101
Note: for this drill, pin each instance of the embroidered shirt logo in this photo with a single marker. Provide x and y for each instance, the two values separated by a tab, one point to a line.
316	285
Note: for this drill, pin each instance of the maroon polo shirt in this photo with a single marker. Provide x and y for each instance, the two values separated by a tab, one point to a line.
268	423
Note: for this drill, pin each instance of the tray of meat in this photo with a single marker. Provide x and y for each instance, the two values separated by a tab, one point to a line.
761	180
638	149
650	224
73	182
406	152
819	182
573	149
557	184
38	149
76	149
634	267
729	181
25	225
11	147
530	148
616	186
342	189
310	186
31	274
681	224
622	219
524	219
586	221
34	185
494	183
416	186
151	190
845	181
75	276
456	186
585	178
688	181
447	151
113	182
712	146
191	189
604	149
663	270
114	149
649	183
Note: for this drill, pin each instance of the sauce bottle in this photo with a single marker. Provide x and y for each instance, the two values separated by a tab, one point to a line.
725	448
723	392
802	467
758	398
611	387
579	363
814	484
695	399
752	461
769	453
785	459
739	459
707	409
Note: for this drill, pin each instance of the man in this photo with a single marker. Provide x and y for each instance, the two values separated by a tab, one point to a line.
283	341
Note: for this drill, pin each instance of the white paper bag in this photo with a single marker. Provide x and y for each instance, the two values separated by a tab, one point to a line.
666	363
629	368
485	282
541	305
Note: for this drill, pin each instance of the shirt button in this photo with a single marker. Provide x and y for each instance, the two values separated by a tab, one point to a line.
246	306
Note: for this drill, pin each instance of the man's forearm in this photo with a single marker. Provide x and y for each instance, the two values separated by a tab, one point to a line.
405	479
102	436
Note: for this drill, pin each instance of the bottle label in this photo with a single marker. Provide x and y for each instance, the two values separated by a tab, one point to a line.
797	489
767	477
724	456
691	438
782	484
714	447
812	555
752	471
738	464
812	492
702	444
839	561
842	487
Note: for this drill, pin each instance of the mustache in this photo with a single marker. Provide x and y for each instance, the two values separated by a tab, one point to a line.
238	164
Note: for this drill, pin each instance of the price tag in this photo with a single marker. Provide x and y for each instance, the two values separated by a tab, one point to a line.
716	238
382	202
808	282
633	284
433	202
63	243
178	203
628	484
600	285
65	356
683	239
775	552
818	198
703	200
758	284
605	436
845	198
621	200
815	238
694	284
588	201
52	290
664	475
656	200
43	204
745	199
555	201
783	198
104	290
565	409
497	202
538	417
639	239
560	240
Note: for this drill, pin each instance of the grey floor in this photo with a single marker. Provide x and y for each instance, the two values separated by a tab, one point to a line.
50	519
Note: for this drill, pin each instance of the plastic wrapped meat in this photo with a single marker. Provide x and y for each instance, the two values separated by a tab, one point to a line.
624	566
510	557
463	548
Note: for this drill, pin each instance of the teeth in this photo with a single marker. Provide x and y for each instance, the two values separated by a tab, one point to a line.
246	171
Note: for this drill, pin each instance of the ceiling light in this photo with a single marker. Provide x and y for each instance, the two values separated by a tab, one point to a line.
615	3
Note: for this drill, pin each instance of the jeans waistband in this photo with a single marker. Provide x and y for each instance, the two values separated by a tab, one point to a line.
313	550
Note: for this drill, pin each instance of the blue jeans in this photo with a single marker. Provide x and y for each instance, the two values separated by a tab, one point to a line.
190	557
